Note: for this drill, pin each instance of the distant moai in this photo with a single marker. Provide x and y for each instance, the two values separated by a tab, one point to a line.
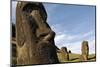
64	54
85	51
34	37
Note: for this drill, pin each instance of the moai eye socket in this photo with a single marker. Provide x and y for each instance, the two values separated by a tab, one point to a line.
29	7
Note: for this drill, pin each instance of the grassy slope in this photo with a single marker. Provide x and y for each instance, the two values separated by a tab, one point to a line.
76	58
72	58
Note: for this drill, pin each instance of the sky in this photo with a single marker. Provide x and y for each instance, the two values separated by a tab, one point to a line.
72	24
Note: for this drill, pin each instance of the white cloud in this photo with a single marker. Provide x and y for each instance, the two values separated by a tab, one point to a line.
92	46
88	34
75	47
73	42
68	37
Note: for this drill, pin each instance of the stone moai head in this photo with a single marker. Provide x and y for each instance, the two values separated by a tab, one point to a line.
34	37
64	54
85	50
85	47
64	49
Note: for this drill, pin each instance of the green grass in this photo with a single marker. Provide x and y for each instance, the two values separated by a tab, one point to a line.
92	57
76	58
72	58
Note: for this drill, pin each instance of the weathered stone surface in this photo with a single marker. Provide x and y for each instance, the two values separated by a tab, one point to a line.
85	51
63	54
35	39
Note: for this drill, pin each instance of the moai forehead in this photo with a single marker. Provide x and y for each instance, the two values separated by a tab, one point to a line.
31	6
85	43
85	46
64	49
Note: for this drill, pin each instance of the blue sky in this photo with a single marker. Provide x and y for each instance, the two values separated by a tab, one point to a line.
72	24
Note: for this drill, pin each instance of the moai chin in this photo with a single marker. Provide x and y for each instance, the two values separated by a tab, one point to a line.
85	51
35	39
64	54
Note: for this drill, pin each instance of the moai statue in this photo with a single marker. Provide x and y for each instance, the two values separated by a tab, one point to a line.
35	39
64	54
85	51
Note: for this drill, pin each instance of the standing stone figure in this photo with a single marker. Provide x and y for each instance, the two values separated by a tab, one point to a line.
35	39
85	51
64	55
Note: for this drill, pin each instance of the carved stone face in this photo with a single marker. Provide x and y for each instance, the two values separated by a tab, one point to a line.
34	36
39	15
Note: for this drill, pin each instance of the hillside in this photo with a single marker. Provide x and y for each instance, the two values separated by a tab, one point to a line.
76	58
